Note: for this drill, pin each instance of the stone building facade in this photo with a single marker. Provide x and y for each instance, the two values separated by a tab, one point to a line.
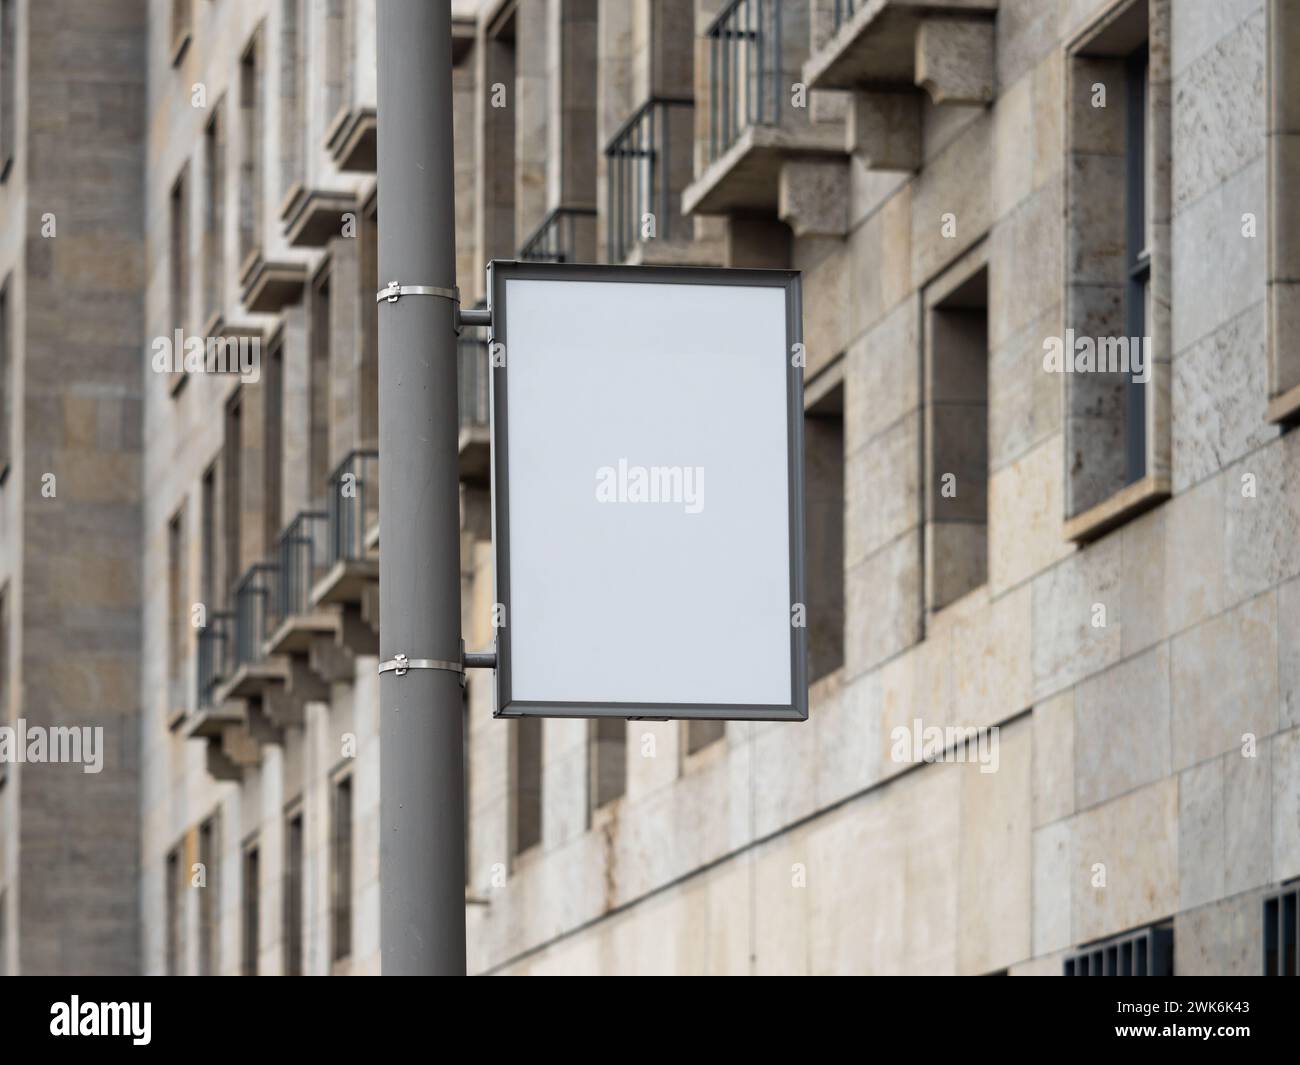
1055	616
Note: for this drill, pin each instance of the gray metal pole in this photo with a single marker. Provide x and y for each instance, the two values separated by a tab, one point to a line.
422	794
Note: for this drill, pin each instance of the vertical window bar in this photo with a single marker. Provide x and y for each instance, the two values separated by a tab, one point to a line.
665	173
776	61
726	83
1138	265
713	97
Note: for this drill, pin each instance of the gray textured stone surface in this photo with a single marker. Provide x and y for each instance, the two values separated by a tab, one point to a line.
1121	728
1224	682
1218	112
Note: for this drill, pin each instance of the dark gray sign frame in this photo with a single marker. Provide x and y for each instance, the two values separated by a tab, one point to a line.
499	272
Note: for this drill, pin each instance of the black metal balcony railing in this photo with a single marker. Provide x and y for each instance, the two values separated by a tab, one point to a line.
472	351
844	10
744	70
353	505
557	239
642	177
252	606
301	553
214	653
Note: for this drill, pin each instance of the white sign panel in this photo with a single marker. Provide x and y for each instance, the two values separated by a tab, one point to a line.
647	492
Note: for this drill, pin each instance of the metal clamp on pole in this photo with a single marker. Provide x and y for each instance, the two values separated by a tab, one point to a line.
394	290
401	665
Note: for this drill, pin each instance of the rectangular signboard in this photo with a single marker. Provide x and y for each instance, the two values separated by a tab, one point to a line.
647	487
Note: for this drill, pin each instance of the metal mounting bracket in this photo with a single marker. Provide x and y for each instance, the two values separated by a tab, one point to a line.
394	290
401	664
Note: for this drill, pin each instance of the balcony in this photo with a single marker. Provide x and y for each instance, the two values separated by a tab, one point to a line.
475	415
296	625
222	724
212	716
566	235
887	52
352	139
249	671
756	48
311	217
351	574
650	163
301	556
268	287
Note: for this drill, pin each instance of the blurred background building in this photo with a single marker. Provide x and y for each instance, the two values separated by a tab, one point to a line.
1104	570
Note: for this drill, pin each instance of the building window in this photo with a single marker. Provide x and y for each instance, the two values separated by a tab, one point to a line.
182	28
6	378
606	761
231	501
1147	952
368	233
823	436
319	440
207	541
956	437
214	222
177	609
1137	292
6	714
8	84
250	147
1280	931
273	442
209	894
293	124
252	910
744	43
703	733
650	161
526	767
1282	135
293	888
180	255
466	763
172	887
1114	353
341	871
496	205
338	58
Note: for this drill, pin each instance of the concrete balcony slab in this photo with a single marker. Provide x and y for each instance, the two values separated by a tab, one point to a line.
268	287
352	139
294	635
346	581
747	176
945	46
312	217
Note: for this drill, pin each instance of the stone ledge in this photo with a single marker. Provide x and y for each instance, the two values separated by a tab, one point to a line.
312	217
352	139
268	287
1121	507
813	196
746	177
944	47
345	582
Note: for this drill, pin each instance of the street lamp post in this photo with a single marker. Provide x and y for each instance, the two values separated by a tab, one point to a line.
422	846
